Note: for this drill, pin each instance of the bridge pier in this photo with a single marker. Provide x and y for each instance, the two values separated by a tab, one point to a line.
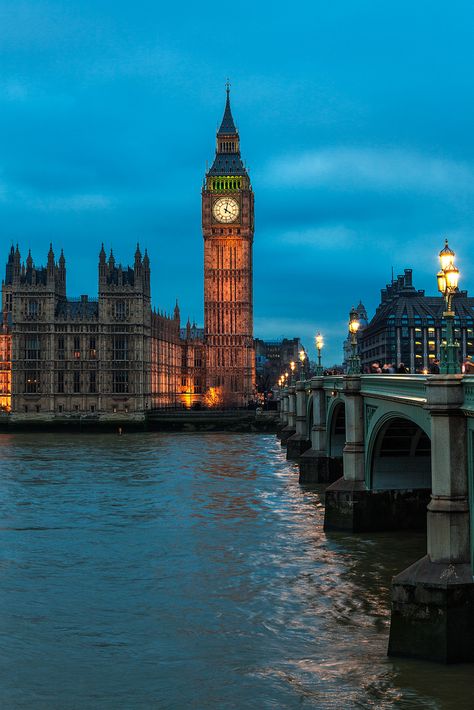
345	498
433	600
314	464
350	504
290	427
299	442
283	413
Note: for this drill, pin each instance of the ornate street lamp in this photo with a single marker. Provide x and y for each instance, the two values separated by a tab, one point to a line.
292	368
319	345
302	356
354	360
448	279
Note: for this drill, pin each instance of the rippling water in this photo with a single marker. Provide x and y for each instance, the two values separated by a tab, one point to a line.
185	571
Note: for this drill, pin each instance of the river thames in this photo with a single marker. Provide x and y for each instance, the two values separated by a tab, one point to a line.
192	571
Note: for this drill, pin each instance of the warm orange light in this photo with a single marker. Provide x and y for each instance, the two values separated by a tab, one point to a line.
441	281
302	355
5	371
452	278
446	256
319	341
292	365
354	323
213	397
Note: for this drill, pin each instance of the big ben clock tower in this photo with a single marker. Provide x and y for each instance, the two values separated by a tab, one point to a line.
228	225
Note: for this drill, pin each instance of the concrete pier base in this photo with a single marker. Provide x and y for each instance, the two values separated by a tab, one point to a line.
317	468
351	507
280	427
285	434
295	446
433	612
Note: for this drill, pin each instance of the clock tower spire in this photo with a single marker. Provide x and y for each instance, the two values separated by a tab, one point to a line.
228	226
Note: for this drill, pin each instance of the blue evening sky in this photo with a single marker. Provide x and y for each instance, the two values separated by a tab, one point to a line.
356	122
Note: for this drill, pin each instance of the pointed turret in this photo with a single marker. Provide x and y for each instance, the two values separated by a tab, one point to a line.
51	265
9	269
227	125
16	265
102	257
176	311
111	260
62	273
137	267
227	161
29	260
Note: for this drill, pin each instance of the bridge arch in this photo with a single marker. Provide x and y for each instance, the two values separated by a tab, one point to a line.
399	454
336	428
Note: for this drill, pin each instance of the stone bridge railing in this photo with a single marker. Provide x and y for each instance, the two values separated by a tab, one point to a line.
398	453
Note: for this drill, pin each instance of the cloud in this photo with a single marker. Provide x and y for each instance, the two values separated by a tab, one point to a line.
386	169
335	237
72	203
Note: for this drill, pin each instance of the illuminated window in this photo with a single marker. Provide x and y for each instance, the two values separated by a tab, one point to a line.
32	382
77	348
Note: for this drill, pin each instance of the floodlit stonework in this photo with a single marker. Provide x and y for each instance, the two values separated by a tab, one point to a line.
114	356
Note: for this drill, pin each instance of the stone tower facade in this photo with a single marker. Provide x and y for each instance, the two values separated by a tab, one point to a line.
228	229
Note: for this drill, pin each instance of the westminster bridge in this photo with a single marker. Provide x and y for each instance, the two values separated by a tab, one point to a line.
397	453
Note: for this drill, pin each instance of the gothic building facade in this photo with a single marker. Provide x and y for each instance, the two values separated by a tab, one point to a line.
114	356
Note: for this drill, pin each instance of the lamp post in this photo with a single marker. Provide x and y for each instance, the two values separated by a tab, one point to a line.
302	356
354	360
448	279
292	368
319	344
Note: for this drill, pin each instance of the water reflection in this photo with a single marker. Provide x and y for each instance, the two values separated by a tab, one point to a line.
184	571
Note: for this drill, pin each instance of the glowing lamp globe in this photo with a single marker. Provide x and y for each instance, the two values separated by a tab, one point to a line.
446	256
452	277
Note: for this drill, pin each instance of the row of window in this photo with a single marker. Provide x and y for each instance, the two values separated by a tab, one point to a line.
226	146
120	382
119	351
221	230
120	311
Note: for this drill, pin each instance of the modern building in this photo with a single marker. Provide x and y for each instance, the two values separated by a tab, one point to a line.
114	355
407	327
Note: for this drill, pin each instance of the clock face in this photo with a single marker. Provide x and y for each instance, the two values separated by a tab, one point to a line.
225	209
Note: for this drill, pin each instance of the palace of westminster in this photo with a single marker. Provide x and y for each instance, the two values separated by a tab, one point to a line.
115	355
